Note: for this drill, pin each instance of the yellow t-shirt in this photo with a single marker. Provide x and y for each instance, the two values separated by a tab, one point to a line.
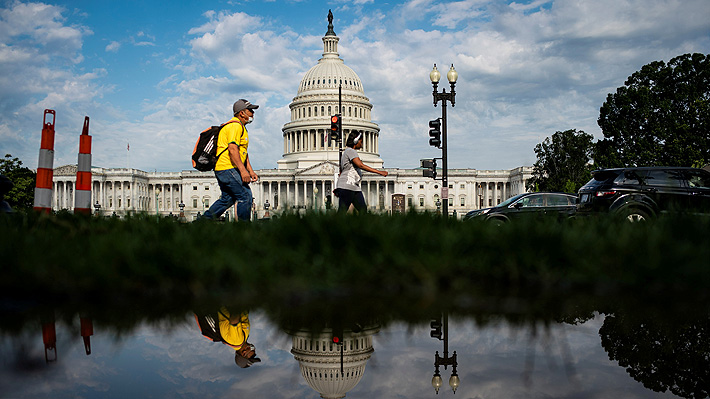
234	335
231	133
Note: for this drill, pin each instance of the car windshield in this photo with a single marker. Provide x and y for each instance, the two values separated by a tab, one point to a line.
510	200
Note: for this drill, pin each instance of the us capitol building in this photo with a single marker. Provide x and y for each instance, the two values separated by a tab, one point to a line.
304	177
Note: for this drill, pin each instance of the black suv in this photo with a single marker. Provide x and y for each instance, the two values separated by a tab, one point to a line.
640	193
527	205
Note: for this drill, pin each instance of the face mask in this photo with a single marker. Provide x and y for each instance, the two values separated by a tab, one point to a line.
250	120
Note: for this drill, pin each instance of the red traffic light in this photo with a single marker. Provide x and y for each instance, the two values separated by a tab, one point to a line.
334	119
336	340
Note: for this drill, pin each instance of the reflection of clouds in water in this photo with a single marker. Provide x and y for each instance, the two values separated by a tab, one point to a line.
73	371
493	362
499	361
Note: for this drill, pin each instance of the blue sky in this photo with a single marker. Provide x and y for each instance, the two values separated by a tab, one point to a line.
155	75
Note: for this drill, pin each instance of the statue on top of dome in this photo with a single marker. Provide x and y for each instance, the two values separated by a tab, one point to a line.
330	32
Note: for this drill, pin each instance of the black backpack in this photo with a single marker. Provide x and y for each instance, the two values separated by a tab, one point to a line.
204	156
209	326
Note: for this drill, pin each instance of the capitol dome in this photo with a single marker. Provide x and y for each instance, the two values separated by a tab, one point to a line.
328	88
331	369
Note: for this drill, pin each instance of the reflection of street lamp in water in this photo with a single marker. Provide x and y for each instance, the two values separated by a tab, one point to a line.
439	329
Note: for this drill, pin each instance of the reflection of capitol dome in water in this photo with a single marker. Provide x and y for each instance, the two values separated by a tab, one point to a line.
306	136
320	359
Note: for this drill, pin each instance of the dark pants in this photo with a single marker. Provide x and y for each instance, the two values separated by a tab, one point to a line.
233	190
348	197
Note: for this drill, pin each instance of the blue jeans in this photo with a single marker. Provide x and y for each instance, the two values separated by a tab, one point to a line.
233	190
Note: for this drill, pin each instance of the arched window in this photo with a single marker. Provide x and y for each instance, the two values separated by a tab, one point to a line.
309	112
322	110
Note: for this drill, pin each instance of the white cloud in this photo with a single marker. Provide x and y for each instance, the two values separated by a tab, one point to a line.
113	47
525	71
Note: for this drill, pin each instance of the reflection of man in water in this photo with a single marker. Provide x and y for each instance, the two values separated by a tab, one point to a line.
233	331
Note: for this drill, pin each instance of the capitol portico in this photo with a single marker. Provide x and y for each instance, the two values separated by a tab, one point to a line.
304	177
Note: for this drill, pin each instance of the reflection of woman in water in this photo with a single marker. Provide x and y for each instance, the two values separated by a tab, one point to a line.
233	331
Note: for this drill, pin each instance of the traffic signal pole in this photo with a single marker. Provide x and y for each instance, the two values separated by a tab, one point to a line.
340	127
444	163
452	76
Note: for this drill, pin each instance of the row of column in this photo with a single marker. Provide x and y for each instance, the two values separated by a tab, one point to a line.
317	140
313	193
299	112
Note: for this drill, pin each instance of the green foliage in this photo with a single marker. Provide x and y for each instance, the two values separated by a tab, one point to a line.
661	116
562	162
411	265
21	196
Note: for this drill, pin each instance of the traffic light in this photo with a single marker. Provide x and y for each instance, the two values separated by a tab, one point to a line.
429	166
435	133
436	329
336	124
337	336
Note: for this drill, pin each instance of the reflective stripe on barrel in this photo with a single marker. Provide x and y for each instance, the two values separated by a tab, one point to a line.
82	197
45	171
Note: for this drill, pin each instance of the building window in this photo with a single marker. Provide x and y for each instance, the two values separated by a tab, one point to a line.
421	187
194	202
410	202
409	187
463	187
463	201
421	201
194	188
207	188
451	186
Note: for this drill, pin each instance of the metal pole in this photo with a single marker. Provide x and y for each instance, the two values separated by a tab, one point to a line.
445	166
340	133
446	339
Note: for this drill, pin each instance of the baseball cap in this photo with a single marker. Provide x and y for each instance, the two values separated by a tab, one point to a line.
243	104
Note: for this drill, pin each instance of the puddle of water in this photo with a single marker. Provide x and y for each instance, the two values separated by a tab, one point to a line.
497	360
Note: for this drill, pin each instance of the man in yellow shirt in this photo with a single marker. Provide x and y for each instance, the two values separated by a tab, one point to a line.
233	169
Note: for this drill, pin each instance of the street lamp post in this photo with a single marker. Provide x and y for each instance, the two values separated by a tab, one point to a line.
98	208
452	76
446	360
182	211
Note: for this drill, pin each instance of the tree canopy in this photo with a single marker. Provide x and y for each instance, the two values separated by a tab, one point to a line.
661	116
21	196
562	162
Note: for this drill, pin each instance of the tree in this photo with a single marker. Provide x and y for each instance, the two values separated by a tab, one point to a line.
563	162
662	355
661	116
21	196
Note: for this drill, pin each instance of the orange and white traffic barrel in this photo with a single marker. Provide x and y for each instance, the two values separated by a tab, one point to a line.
82	195
45	171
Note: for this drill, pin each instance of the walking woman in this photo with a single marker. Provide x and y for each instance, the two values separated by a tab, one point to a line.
348	188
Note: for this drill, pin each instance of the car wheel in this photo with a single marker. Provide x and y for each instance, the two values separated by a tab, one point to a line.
496	221
634	215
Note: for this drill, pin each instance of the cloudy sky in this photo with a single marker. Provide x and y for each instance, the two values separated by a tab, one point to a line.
153	76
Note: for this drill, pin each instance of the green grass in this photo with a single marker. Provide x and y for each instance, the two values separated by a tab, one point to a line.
401	267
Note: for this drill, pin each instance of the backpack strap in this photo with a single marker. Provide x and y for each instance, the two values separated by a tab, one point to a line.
220	130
